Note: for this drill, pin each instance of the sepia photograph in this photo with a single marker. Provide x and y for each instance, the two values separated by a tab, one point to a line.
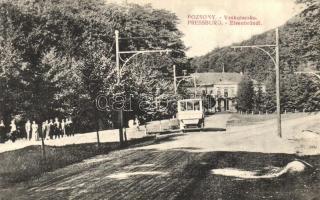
160	99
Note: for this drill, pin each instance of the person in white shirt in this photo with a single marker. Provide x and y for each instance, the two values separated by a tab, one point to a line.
35	134
2	132
63	128
50	129
27	127
137	123
131	123
47	129
13	131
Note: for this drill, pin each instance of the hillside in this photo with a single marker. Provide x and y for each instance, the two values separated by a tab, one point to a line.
299	48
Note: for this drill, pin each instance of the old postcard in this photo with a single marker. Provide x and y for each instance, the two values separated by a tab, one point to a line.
150	99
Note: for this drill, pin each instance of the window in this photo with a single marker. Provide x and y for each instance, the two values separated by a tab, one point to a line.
232	92
182	106
196	105
225	92
189	105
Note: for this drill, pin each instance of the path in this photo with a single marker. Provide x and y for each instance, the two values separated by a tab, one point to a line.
179	169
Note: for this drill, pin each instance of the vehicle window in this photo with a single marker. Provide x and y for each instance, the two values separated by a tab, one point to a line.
182	106
196	105
189	105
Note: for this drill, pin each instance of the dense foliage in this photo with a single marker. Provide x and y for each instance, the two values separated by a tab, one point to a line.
245	95
299	50
57	56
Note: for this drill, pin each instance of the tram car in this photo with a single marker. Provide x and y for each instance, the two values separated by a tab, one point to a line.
190	113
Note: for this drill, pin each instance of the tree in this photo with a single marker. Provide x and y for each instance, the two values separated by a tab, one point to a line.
65	55
259	99
245	95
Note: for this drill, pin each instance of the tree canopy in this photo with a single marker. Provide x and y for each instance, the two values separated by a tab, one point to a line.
57	56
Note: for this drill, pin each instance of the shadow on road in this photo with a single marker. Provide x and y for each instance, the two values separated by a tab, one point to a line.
173	174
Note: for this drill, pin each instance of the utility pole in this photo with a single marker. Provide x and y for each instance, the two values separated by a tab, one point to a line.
278	84
120	112
43	148
277	68
119	70
195	86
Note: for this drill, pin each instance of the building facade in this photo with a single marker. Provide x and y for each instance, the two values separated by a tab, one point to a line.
222	86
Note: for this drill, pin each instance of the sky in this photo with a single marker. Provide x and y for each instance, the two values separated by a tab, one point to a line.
200	39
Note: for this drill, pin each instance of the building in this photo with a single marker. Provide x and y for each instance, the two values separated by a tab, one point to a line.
222	86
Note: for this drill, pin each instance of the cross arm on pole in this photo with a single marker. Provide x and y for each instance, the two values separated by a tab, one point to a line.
146	51
182	79
260	47
250	46
135	53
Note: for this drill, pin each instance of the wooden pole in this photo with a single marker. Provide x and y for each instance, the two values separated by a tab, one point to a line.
120	113
195	86
278	85
43	148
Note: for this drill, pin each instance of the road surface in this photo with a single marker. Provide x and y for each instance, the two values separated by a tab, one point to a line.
181	168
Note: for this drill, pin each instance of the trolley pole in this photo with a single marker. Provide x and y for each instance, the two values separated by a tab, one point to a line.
278	84
43	147
277	68
178	79
195	86
120	112
119	69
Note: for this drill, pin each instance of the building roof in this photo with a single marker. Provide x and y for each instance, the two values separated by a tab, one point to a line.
209	78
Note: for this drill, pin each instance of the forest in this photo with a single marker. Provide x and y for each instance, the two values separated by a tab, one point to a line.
299	51
58	56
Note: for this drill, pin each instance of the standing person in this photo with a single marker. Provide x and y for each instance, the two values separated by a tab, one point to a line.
27	127
13	131
137	123
51	127
71	131
131	123
47	129
35	134
2	132
67	126
56	128
63	128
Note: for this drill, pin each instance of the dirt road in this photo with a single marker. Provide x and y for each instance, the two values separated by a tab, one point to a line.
181	168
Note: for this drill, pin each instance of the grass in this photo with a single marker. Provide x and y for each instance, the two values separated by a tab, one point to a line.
249	119
24	164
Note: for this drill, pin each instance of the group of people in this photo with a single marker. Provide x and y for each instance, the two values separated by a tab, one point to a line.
49	129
